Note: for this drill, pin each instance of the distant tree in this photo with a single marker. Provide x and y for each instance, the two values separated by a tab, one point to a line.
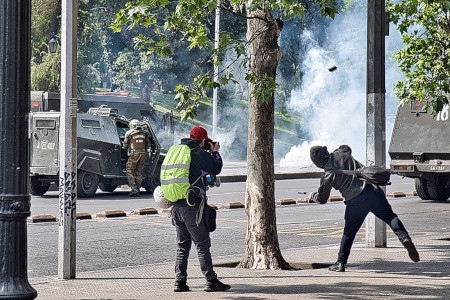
133	69
45	69
46	75
43	16
261	55
95	59
127	70
94	36
99	47
425	57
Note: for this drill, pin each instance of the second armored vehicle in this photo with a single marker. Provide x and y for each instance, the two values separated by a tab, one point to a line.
420	149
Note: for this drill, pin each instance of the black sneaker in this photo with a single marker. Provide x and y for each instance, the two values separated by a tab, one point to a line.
134	193
412	252
337	267
181	286
215	285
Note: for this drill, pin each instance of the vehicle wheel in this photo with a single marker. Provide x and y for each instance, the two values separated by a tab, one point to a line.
421	188
107	187
87	184
38	188
438	188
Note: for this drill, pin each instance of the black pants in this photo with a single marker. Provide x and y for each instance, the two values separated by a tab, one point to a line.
373	200
184	219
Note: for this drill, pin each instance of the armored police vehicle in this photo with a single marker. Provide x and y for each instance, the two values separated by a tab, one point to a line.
420	149
130	107
100	157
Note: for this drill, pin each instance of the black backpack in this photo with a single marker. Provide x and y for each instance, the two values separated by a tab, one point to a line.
372	174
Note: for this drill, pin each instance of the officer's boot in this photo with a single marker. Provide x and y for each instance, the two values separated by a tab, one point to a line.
134	191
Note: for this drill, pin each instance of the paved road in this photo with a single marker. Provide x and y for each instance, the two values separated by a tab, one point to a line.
226	193
372	273
137	240
132	257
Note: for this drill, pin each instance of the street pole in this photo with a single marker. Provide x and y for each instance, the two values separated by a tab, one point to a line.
216	68
375	109
15	16
68	142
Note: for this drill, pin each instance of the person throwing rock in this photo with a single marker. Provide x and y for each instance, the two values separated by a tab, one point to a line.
360	198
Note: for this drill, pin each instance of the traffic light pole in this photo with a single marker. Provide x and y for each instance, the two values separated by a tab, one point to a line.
15	16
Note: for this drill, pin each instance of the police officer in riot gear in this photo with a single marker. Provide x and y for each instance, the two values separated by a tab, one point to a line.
138	140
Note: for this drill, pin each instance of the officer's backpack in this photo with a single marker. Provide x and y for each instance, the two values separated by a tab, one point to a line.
175	173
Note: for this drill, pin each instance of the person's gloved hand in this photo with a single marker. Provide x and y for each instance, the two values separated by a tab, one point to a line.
311	197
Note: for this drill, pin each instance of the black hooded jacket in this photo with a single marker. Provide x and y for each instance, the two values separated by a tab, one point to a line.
348	185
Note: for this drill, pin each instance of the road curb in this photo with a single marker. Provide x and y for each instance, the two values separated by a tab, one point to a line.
144	211
231	205
288	201
111	214
396	195
41	219
84	216
234	205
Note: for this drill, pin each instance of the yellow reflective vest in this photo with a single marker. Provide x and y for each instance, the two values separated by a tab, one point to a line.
175	173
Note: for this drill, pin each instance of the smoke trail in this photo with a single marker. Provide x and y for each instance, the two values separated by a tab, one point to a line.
333	104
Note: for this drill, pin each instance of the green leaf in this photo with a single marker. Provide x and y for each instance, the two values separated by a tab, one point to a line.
424	57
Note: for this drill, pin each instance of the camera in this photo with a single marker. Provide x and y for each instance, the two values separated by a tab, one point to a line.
212	180
206	146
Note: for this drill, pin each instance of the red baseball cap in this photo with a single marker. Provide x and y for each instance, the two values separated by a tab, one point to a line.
199	133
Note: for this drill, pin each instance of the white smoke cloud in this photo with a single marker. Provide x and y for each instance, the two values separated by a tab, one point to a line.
333	104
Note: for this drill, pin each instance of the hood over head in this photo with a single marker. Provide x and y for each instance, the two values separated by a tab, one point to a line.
319	155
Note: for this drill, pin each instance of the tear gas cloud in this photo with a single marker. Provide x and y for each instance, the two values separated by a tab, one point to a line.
332	103
232	119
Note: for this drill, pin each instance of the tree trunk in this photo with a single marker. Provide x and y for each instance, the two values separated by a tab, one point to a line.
262	247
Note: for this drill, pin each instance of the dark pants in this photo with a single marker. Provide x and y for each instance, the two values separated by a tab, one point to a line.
184	219
135	167
370	200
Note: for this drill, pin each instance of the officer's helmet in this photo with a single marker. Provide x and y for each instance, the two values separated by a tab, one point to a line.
133	123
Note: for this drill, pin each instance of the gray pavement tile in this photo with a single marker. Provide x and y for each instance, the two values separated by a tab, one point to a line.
373	273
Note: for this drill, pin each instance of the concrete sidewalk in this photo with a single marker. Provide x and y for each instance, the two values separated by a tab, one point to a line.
372	273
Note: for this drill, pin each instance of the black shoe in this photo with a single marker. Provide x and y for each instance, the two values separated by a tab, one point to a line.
337	267
215	285
134	192
181	286
412	252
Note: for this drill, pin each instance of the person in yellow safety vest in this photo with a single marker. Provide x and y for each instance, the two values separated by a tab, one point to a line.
175	172
138	140
205	159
